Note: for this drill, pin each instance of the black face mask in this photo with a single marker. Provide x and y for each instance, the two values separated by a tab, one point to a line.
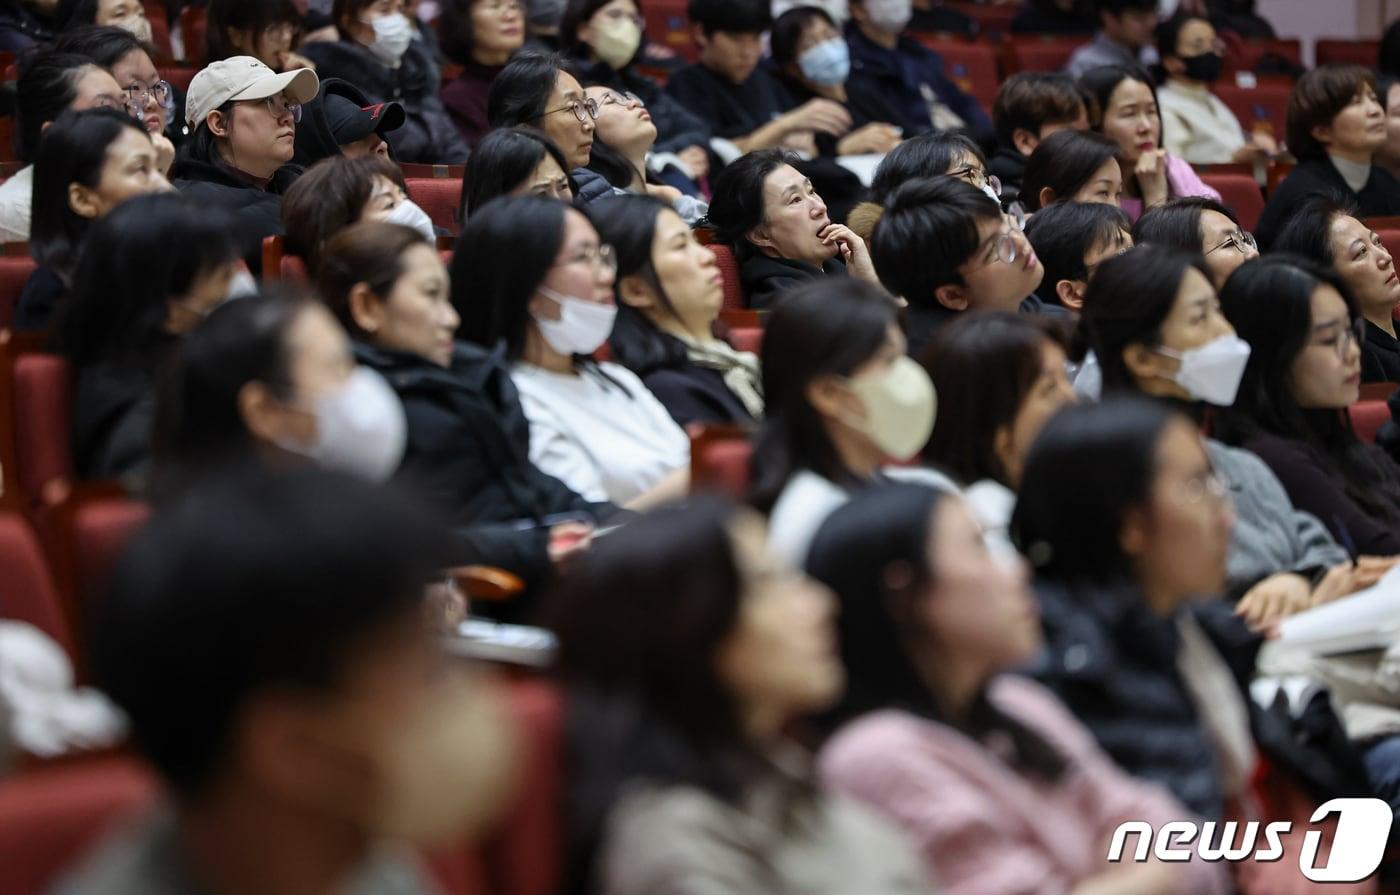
1205	67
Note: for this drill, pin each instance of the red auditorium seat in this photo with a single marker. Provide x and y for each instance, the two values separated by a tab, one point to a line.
1245	55
972	66
43	401
1040	53
1348	52
747	338
179	76
993	19
1367	417
719	460
668	26
293	269
160	36
97	528
734	298
1240	192
1266	105
410	169
439	197
194	24
28	594
7	138
14	273
51	816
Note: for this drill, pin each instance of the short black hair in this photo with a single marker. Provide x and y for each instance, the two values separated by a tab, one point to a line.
104	44
501	162
926	155
729	16
788	29
1029	100
48	84
1177	223
1308	232
1064	161
736	206
292	570
1317	98
928	231
1063	234
251	16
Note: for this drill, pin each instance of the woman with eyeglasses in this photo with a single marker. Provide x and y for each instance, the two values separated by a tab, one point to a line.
1072	166
779	227
622	153
602	38
88	163
1304	370
243	117
1331	234
515	161
148	97
481	36
267	30
1154	323
532	279
943	154
381	52
1196	224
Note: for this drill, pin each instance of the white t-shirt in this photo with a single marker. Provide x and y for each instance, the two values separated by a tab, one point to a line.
1197	126
16	202
605	440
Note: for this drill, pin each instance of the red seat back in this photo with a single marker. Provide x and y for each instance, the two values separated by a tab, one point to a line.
1367	417
972	66
293	268
160	36
1040	54
1354	52
14	273
1264	107
49	817
28	594
179	76
719	461
194	25
100	528
1245	55
439	197
734	298
1241	193
43	403
668	26
747	338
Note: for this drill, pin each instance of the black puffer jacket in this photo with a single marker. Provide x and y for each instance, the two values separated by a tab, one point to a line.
428	136
113	412
256	213
469	451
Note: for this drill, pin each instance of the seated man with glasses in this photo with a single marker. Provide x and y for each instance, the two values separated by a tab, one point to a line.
1072	239
243	117
947	248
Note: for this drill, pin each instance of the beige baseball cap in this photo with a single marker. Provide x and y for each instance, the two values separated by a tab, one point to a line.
242	78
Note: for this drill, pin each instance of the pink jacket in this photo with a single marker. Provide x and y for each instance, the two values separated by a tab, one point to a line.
1182	181
985	828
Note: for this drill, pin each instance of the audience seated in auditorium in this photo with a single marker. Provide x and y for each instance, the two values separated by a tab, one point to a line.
150	98
301	713
1129	117
1124	36
1336	125
1305	336
949	154
150	272
341	120
267	30
1196	124
1198	225
1072	166
545	311
88	163
244	118
669	292
947	248
686	652
779	228
380	53
1329	234
49	84
843	400
1002	788
1149	310
1072	239
338	192
1029	107
514	161
622	154
479	36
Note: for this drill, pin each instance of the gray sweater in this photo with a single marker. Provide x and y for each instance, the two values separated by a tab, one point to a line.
1270	536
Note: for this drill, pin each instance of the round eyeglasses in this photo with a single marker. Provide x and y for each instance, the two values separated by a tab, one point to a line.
583	110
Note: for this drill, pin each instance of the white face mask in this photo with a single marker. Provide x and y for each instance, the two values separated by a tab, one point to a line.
360	428
889	15
138	25
582	325
409	214
900	406
1212	372
392	35
241	285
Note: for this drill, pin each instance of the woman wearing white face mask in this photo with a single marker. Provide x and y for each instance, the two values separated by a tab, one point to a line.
842	399
603	38
594	425
380	52
467	437
1154	322
128	15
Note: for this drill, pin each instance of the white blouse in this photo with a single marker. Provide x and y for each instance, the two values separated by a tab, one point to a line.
606	440
1197	126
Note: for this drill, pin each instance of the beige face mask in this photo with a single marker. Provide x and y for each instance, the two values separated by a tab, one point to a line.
900	405
616	42
138	25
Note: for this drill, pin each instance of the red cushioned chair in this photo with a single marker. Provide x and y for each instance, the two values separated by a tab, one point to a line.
160	36
98	528
1367	417
28	594
439	197
734	298
194	24
1365	53
178	76
43	402
410	169
667	25
51	816
1264	107
14	273
1240	192
747	338
1245	55
972	66
293	269
719	460
1039	53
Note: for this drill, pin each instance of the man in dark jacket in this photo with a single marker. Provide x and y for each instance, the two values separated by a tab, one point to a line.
342	121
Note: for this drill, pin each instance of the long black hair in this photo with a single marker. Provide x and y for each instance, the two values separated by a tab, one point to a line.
823	328
736	206
73	150
1269	302
521	89
1064	161
149	251
873	552
628	224
1308	232
502	161
640	619
927	155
